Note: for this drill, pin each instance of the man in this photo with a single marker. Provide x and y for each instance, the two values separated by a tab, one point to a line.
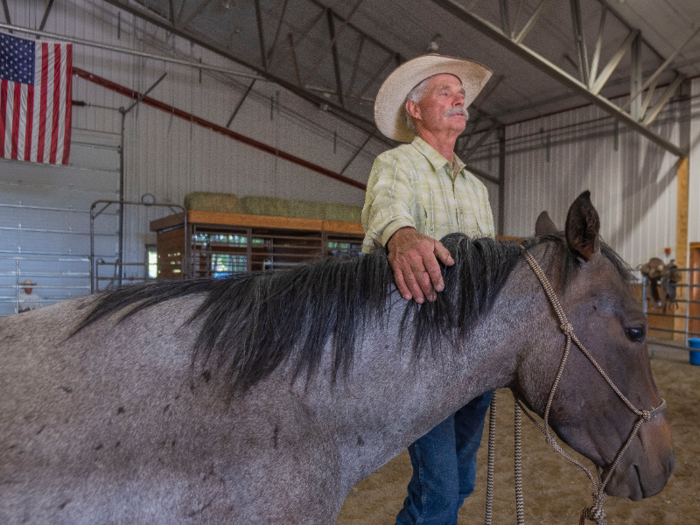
416	194
26	300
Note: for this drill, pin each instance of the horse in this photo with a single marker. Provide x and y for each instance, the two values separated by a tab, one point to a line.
265	398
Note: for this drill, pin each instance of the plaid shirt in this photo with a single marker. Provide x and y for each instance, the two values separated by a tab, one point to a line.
413	185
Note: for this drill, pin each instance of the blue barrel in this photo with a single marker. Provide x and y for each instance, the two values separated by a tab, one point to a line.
694	342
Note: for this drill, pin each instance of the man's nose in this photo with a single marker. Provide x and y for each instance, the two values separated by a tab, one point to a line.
458	101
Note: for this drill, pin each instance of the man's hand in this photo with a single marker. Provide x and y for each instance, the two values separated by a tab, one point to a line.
413	257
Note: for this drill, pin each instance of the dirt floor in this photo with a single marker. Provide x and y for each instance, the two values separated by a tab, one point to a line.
555	491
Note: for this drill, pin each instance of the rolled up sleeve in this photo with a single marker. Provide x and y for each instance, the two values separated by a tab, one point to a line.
388	203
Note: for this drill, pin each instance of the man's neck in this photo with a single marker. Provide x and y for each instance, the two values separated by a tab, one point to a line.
443	143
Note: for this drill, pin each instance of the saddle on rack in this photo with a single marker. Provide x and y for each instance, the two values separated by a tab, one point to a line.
663	279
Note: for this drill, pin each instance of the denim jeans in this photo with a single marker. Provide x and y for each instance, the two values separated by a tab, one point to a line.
444	467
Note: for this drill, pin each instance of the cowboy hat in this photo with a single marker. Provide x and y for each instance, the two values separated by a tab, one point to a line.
27	282
389	103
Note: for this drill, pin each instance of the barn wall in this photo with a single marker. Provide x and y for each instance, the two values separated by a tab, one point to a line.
632	180
168	157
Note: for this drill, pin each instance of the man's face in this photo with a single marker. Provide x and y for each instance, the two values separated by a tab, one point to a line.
442	94
28	291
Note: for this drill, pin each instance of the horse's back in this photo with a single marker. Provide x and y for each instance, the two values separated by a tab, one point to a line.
117	425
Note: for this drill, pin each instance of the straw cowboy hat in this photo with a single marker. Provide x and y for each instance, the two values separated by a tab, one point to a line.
388	106
26	283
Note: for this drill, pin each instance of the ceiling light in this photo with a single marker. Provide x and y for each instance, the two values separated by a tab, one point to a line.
433	45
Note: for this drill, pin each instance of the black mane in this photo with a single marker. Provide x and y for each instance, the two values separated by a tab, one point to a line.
254	322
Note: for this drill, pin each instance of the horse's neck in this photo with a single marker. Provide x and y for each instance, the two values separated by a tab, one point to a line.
392	398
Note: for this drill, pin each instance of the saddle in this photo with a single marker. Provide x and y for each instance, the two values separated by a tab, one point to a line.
662	282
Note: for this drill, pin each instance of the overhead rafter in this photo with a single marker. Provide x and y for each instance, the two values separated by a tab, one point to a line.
300	90
582	88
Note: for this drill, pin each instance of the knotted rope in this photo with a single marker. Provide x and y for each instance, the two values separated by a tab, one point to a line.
595	512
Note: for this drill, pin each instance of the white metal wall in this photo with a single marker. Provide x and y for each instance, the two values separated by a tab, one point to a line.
45	220
632	181
168	157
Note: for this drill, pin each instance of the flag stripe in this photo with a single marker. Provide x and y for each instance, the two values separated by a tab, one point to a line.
30	124
17	107
3	112
56	101
68	95
44	80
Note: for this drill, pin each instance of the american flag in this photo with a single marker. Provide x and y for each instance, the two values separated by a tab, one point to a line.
35	100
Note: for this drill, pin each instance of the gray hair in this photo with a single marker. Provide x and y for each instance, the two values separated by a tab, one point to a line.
415	96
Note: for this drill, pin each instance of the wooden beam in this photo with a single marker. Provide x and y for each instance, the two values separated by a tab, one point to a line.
681	240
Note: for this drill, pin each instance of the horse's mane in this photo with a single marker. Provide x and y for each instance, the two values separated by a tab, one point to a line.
252	323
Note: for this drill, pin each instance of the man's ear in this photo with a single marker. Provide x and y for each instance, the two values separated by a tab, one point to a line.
413	109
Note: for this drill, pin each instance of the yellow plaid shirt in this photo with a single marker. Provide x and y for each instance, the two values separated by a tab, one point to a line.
413	185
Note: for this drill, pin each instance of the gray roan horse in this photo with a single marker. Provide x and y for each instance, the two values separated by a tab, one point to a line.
264	399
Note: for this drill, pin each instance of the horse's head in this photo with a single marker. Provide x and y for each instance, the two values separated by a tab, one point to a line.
586	413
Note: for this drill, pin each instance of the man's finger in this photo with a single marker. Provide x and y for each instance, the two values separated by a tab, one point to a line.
433	273
400	283
413	285
443	254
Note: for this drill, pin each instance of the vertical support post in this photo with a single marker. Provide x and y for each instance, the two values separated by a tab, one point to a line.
120	250
502	178
682	182
636	77
682	241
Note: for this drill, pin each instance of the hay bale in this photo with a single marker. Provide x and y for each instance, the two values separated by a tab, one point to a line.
290	208
214	202
343	212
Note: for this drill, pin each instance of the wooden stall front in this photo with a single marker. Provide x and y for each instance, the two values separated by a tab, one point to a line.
222	244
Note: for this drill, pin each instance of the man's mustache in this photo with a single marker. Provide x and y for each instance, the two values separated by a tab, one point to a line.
457	111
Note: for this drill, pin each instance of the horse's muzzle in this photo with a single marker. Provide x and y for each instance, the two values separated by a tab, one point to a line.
648	465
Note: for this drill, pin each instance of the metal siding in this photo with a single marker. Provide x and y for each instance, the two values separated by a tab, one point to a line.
633	188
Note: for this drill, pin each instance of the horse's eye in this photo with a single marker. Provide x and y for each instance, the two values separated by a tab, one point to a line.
636	335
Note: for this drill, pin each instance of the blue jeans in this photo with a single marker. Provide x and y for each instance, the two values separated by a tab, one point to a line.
444	467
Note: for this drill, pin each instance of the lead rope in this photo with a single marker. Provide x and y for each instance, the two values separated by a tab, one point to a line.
595	512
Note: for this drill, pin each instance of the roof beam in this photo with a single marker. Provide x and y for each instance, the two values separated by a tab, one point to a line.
555	72
336	62
46	15
580	40
261	36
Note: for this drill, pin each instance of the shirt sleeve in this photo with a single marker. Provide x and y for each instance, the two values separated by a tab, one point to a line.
388	201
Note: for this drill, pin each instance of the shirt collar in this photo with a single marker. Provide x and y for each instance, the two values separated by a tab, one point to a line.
435	158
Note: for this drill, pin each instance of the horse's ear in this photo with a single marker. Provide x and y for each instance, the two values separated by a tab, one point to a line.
544	225
582	227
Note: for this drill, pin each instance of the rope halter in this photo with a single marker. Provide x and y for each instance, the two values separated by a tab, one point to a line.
595	512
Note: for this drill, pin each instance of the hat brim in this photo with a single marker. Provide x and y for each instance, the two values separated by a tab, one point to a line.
388	105
25	283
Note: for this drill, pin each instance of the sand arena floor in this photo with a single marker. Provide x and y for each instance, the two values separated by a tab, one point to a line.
555	490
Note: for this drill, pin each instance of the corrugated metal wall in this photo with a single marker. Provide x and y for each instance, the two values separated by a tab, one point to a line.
632	181
549	161
168	157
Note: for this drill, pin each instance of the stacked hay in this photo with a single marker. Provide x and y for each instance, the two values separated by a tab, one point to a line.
272	207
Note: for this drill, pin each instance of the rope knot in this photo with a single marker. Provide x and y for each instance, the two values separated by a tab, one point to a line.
567	328
595	513
551	440
646	415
